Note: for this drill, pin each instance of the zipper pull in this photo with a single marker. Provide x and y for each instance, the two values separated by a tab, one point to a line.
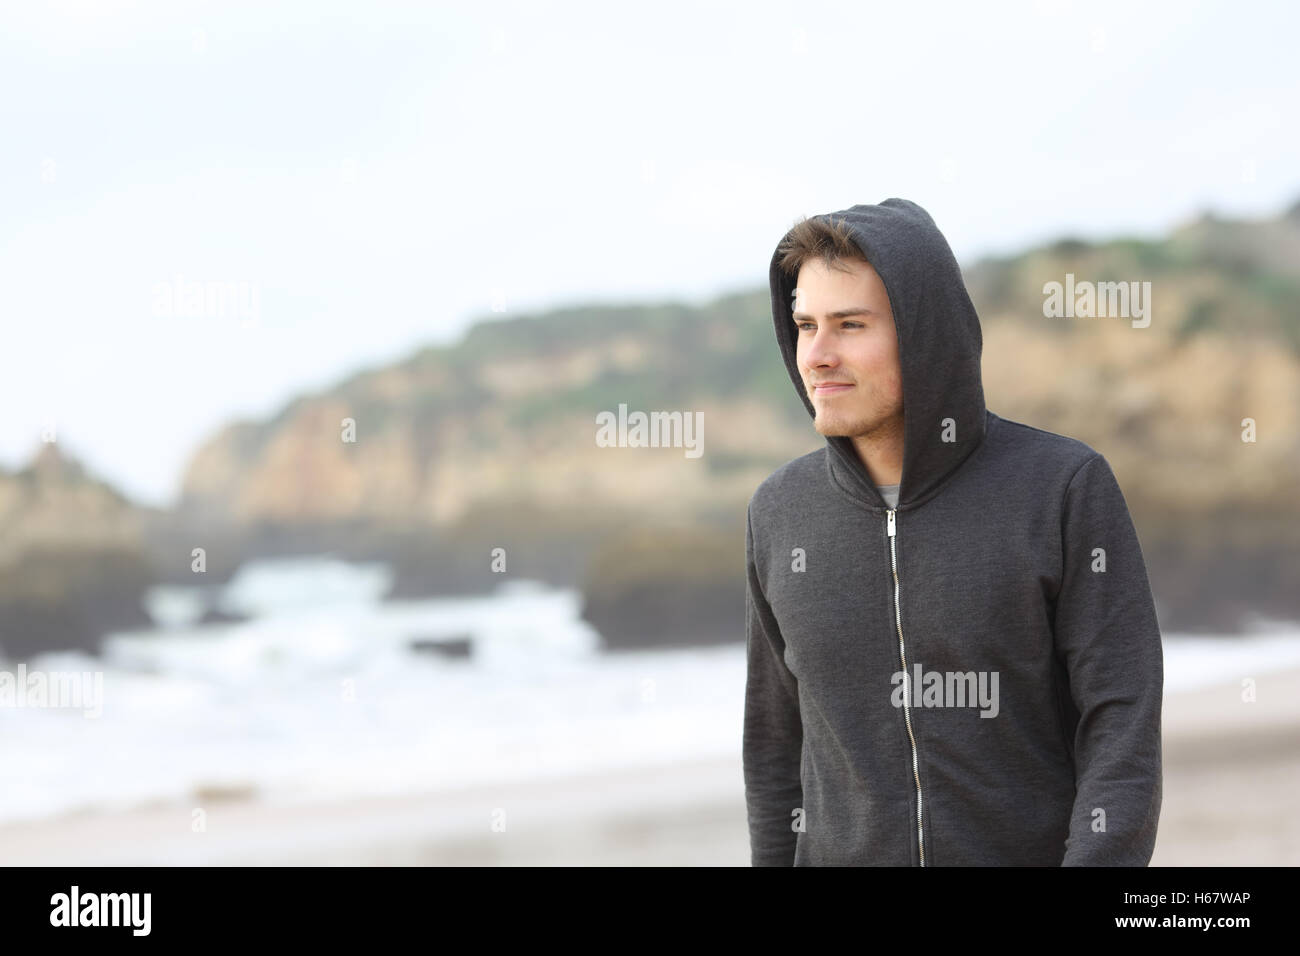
890	528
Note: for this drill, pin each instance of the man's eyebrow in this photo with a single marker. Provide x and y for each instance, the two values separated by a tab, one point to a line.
841	314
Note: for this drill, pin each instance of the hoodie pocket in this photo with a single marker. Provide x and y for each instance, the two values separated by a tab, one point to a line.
1062	716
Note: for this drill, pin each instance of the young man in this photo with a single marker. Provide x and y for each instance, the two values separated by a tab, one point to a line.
953	654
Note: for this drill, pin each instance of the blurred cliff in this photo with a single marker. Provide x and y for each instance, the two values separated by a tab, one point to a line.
491	443
73	562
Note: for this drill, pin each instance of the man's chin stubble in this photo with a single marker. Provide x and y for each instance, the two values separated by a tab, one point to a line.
835	428
839	428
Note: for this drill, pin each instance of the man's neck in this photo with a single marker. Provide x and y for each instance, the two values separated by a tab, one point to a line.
881	453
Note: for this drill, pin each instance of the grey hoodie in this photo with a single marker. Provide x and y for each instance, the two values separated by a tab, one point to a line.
975	677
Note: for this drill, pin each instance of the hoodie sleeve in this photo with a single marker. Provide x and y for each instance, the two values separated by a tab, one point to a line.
773	731
1107	636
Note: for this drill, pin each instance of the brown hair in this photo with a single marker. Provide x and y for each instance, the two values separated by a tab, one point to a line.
827	239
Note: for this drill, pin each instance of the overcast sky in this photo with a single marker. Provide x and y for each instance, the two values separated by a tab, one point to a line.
380	175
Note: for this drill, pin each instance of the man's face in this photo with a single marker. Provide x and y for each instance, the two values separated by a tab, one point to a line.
858	350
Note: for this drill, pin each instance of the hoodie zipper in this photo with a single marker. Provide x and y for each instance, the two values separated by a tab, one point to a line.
891	530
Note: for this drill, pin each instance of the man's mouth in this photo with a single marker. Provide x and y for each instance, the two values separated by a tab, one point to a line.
830	388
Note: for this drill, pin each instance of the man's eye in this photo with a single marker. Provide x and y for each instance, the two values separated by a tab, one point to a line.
845	325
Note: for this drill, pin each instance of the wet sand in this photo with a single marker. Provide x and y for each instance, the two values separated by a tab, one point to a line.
1231	783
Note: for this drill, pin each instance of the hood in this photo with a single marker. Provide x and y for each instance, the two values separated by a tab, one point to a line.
939	346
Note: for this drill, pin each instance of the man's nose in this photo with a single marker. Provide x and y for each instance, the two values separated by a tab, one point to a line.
821	351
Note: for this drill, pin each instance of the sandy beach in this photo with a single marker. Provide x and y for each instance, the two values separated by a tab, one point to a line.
1231	782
